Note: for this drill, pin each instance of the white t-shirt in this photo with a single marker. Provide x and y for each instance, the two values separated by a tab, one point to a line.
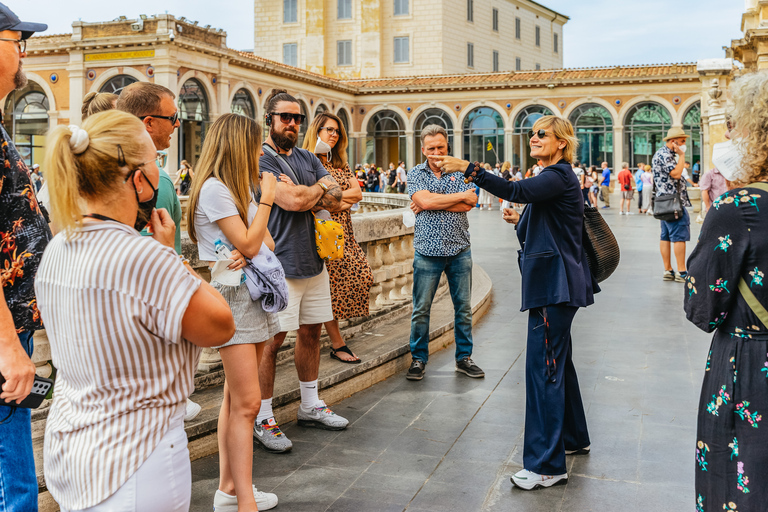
402	174
215	203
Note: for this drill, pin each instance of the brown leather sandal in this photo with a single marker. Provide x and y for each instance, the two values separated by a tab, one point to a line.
344	349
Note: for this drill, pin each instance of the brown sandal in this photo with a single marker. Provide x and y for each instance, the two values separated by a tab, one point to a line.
344	349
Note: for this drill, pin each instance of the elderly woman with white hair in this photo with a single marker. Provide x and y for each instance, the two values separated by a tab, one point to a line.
726	293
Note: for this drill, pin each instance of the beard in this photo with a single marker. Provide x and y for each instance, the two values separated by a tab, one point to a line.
19	79
286	140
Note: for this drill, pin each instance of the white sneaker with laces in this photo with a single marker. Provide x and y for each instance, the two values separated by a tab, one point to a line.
192	411
529	480
223	502
321	417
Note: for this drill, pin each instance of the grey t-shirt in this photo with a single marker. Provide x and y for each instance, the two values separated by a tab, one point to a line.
294	232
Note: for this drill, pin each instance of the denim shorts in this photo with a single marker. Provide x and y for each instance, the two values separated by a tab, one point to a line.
677	231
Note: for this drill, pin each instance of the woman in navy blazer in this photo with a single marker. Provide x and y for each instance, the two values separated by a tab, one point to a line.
556	281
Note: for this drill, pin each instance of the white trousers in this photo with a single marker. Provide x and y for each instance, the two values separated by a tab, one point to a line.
163	483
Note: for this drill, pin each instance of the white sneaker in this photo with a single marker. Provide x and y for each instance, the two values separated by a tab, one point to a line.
223	502
621	212
630	213
321	417
192	411
529	480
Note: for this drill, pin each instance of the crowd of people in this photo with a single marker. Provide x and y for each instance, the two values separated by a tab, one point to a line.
127	316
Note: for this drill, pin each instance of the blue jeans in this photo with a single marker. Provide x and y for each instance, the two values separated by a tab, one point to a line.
426	276
18	483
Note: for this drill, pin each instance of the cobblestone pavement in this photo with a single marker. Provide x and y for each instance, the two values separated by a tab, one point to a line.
450	443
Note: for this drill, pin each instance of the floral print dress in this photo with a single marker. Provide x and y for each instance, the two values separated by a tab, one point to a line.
732	439
351	276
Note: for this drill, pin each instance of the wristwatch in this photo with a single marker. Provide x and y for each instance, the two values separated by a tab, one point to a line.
323	186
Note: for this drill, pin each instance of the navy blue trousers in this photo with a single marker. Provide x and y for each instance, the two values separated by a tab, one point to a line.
554	413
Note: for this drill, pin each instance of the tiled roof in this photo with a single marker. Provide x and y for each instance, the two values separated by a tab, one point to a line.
512	78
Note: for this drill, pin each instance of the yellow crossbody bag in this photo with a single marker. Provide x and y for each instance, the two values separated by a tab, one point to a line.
329	239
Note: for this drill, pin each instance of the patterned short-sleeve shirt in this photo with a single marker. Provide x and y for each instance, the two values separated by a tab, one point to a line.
23	237
663	164
438	232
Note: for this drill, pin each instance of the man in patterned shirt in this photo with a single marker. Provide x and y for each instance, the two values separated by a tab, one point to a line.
667	174
23	237
441	241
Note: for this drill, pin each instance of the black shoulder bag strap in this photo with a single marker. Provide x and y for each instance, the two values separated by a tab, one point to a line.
285	164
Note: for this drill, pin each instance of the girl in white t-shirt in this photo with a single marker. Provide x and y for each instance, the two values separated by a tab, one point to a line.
222	207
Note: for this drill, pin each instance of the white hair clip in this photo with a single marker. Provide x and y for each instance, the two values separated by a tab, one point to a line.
79	140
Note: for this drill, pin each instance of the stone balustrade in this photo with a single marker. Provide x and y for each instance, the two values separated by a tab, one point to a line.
376	202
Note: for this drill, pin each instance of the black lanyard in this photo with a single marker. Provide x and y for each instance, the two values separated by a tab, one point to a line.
100	217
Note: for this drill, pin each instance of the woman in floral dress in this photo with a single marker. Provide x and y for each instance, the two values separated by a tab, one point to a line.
351	277
732	253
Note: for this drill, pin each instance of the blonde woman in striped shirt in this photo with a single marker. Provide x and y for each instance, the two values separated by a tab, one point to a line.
222	207
125	318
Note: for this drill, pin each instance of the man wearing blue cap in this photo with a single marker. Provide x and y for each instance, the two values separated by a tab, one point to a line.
23	237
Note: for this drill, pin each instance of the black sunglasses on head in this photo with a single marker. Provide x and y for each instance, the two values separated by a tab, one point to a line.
286	117
541	133
172	119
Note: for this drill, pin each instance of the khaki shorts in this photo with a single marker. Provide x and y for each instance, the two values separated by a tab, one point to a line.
627	194
309	302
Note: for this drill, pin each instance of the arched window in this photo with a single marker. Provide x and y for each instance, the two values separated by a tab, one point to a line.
194	115
27	121
521	153
242	103
645	127
484	136
116	84
320	109
436	116
594	129
692	126
385	139
352	143
344	120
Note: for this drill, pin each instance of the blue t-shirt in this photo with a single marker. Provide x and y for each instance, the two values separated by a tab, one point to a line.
294	232
606	177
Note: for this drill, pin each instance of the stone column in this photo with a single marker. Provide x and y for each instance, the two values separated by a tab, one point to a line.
508	149
618	148
76	70
410	156
458	143
165	65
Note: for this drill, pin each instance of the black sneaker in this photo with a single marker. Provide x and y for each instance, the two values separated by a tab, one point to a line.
416	371
469	368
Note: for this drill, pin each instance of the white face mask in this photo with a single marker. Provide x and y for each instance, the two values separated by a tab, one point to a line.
682	147
323	148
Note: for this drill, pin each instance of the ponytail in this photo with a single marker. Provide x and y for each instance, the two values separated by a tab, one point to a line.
62	176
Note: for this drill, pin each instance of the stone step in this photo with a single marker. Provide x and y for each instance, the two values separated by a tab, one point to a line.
383	348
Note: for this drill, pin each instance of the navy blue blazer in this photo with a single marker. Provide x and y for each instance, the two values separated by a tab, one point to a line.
552	260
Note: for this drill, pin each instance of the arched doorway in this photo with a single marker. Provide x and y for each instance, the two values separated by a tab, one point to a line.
521	154
431	116
692	126
484	136
320	109
116	84
645	127
385	139
26	120
242	104
342	115
194	117
594	129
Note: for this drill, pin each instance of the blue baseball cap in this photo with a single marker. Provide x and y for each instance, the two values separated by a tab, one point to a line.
9	21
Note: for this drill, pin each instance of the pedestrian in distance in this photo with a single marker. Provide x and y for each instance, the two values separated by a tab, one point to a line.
639	186
126	319
605	184
550	231
626	181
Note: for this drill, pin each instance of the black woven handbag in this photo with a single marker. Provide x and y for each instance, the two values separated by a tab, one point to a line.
600	244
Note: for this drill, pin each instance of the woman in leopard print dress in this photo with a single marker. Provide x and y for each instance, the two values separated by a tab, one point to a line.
351	277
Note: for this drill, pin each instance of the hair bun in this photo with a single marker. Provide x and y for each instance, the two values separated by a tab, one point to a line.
79	140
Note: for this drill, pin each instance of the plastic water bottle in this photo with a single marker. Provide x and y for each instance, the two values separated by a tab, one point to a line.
223	253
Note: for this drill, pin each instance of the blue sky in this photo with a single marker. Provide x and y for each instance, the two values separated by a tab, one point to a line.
600	33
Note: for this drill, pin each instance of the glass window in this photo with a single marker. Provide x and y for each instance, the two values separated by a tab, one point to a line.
402	52
470	55
431	116
27	122
291	54
593	126
645	127
538	35
484	136
345	9
194	118
495	60
401	7
538	67
692	126
116	84
523	123
495	20
290	11
344	53
470	10
385	140
518	64
556	43
242	104
518	28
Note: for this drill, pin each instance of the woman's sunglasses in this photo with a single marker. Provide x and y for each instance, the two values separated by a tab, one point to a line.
538	133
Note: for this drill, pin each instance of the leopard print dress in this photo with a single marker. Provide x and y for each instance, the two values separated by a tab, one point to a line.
351	277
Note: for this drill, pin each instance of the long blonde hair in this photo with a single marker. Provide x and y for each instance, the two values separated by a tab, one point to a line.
750	115
339	152
95	173
563	130
231	155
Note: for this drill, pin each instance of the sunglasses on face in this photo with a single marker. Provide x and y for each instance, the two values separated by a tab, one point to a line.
172	119
287	117
331	131
538	133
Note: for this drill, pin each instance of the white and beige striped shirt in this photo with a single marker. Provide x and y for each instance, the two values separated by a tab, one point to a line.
112	302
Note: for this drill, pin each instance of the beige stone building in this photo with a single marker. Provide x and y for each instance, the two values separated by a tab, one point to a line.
374	38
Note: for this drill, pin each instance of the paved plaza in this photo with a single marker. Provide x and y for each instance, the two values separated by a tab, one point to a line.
450	443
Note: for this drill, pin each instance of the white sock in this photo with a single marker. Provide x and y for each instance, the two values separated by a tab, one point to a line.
309	398
265	412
